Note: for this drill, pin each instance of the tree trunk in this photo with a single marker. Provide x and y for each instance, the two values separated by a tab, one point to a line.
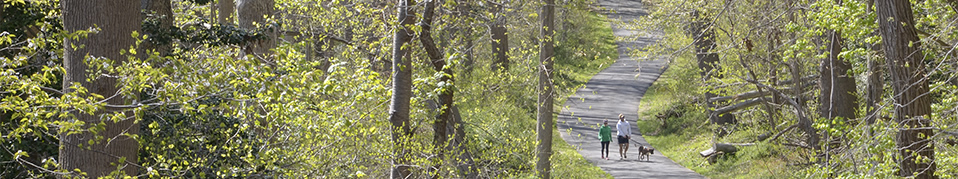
470	60
226	8
117	19
163	11
252	15
838	88
401	90
465	44
455	126
500	40
837	98
544	111
912	102
704	39
876	85
874	89
440	125
804	122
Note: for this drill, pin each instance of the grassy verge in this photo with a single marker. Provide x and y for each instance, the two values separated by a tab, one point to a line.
575	69
689	133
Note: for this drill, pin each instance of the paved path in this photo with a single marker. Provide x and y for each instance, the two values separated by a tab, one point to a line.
617	89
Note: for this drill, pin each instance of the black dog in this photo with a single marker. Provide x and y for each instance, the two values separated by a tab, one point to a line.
645	152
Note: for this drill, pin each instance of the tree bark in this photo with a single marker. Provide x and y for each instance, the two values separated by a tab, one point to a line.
544	111
465	43
401	90
874	89
441	124
876	86
500	40
252	15
226	8
837	98
906	65
804	122
117	19
704	40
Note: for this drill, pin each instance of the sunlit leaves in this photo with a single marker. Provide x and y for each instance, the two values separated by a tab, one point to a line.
317	109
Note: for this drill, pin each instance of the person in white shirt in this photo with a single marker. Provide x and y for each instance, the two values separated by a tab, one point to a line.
623	130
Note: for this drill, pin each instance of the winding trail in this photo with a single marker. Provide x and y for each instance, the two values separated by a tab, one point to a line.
618	89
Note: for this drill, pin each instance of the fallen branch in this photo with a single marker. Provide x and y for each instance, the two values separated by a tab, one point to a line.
797	145
754	94
783	132
804	79
801	164
745	95
744	104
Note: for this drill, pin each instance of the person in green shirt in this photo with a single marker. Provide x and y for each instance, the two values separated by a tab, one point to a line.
605	136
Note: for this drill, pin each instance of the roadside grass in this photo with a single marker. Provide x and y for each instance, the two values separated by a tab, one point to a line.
689	133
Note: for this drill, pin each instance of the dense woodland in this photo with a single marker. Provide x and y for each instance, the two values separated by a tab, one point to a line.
289	88
834	88
458	88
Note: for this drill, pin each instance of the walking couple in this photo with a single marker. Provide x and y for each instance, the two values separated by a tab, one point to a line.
623	131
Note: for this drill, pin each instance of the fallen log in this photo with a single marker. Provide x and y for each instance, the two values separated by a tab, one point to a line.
745	95
754	94
809	78
804	79
708	152
783	131
723	148
743	104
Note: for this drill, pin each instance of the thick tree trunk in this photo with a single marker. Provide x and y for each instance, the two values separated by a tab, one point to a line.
117	19
544	111
252	15
226	8
500	40
704	40
837	98
401	90
912	102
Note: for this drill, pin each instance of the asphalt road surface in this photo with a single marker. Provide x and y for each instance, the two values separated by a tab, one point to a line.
618	89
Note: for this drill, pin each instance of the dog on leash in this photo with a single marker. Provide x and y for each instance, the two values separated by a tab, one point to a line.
645	152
